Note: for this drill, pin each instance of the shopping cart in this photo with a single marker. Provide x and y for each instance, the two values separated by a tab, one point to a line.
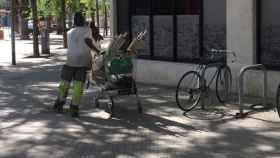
117	75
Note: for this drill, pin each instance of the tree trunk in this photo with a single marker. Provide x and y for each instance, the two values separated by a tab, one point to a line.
97	13
48	22
64	24
17	14
105	21
70	23
93	18
35	28
13	33
23	27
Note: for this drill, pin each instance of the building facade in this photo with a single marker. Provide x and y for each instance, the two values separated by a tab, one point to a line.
182	32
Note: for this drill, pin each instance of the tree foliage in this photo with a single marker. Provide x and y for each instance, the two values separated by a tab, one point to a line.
53	7
2	3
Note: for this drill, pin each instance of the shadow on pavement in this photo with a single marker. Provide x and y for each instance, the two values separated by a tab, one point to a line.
29	128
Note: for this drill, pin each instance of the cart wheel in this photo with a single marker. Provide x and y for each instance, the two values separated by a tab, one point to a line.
88	83
140	109
97	103
134	87
110	107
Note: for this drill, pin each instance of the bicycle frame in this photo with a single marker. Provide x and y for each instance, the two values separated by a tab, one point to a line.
201	69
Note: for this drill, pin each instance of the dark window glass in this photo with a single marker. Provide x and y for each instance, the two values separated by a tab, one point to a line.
123	16
189	7
214	27
163	7
140	7
270	33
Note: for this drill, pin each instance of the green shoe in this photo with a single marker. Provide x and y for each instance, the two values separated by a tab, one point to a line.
74	110
58	106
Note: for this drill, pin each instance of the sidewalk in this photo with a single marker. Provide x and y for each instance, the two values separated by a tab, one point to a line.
24	48
29	129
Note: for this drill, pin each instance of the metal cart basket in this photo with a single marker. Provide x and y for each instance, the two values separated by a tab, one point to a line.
117	75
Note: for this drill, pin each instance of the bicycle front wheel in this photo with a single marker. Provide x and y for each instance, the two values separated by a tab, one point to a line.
223	84
188	91
278	100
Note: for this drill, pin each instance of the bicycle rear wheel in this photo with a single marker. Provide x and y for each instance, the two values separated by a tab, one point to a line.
188	91
278	100
223	84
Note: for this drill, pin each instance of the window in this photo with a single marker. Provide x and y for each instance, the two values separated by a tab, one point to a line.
269	33
214	26
140	7
163	40
187	7
163	7
173	27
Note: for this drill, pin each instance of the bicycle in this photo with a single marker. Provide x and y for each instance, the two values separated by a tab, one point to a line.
192	86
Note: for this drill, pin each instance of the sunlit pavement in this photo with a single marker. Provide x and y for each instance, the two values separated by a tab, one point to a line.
29	129
24	49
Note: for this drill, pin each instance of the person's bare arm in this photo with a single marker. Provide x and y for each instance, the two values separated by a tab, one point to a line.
100	37
89	43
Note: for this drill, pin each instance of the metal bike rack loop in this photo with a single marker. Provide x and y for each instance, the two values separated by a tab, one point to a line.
241	86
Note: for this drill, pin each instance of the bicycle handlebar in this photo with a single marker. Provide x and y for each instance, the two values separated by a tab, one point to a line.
226	52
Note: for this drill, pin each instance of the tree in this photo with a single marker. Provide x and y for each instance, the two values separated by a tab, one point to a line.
63	7
90	8
23	18
13	8
71	7
35	28
60	8
2	3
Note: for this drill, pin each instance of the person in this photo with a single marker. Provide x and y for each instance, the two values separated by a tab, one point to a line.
95	32
96	37
80	43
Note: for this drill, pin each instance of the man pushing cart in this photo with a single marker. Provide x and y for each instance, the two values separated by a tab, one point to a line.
114	69
80	44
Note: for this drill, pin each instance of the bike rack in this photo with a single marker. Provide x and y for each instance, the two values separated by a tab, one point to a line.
245	69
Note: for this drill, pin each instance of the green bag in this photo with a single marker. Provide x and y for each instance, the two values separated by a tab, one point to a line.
121	65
